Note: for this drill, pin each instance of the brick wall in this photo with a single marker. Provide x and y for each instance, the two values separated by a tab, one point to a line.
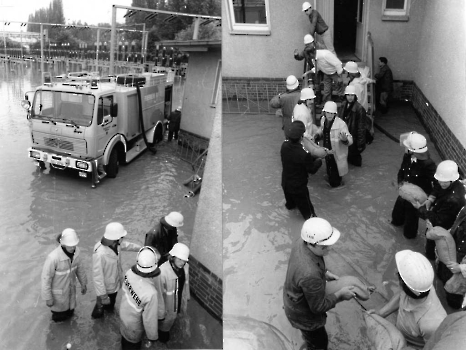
446	142
206	287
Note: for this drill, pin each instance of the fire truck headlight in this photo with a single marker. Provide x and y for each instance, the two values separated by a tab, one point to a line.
35	154
82	165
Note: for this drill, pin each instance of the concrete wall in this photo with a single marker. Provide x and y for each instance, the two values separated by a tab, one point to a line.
440	71
266	56
197	117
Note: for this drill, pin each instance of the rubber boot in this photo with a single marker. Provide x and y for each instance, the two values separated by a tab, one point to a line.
98	311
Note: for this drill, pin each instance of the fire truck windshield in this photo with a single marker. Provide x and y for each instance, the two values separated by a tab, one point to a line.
59	106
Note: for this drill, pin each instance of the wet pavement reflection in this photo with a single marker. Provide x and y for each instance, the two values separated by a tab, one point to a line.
37	205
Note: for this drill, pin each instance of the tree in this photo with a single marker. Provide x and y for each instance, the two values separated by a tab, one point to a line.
209	31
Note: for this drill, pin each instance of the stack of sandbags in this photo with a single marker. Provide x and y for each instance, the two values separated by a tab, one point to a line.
450	335
313	148
362	291
412	193
444	242
383	334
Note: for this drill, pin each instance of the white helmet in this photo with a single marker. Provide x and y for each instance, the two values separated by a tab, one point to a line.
307	94
174	219
415	270
114	231
306	5
308	39
69	237
291	82
350	90
319	231
416	142
351	67
447	171
180	250
147	259
330	107
178	108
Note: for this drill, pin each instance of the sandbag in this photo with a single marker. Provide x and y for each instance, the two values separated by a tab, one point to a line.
412	193
450	335
444	242
360	288
457	283
313	148
383	334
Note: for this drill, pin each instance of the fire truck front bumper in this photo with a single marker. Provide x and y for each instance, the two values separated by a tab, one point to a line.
60	162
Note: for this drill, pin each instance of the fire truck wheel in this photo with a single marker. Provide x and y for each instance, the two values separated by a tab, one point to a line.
113	164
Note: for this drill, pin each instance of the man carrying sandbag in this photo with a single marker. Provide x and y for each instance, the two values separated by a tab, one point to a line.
305	300
419	309
416	168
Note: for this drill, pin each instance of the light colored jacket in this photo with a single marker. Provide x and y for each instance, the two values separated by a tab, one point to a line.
170	290
139	308
341	150
328	62
107	269
59	279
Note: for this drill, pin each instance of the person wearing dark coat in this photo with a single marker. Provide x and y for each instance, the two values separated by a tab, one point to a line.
174	126
165	235
445	272
383	84
297	163
287	101
417	168
354	115
445	201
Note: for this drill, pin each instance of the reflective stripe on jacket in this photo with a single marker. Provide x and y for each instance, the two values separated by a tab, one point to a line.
106	266
59	279
139	308
170	290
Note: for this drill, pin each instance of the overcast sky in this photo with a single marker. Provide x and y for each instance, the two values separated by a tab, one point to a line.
90	11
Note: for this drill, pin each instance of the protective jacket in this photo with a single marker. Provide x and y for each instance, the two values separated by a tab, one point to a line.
355	120
448	203
59	279
384	79
162	237
175	120
458	232
318	24
106	266
170	290
304	295
297	163
140	308
286	101
340	148
420	172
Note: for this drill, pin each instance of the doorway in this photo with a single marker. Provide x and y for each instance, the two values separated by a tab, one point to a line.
348	29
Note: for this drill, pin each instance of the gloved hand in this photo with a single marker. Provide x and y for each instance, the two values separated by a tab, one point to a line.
83	289
49	303
104	299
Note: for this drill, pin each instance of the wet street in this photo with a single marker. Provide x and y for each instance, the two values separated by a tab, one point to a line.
37	205
259	230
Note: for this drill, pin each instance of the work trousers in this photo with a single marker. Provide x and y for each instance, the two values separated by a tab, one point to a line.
334	178
329	80
316	340
127	345
404	213
301	200
355	159
327	40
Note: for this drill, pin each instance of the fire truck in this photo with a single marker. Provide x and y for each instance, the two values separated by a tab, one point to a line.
92	124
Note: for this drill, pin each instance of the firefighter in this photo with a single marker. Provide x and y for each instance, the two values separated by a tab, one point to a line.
107	270
174	120
287	101
174	278
62	266
165	234
142	305
419	309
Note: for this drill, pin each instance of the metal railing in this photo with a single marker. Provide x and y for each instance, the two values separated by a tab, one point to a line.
248	98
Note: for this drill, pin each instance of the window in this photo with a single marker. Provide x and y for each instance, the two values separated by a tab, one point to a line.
249	17
105	105
395	10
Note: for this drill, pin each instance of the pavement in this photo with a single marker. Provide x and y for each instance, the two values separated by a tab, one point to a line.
258	230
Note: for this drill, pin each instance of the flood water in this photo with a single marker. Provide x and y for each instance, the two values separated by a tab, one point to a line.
37	205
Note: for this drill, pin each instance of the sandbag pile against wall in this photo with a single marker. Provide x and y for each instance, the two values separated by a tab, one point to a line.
383	334
457	283
450	335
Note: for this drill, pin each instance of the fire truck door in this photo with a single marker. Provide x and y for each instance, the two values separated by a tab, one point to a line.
106	123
